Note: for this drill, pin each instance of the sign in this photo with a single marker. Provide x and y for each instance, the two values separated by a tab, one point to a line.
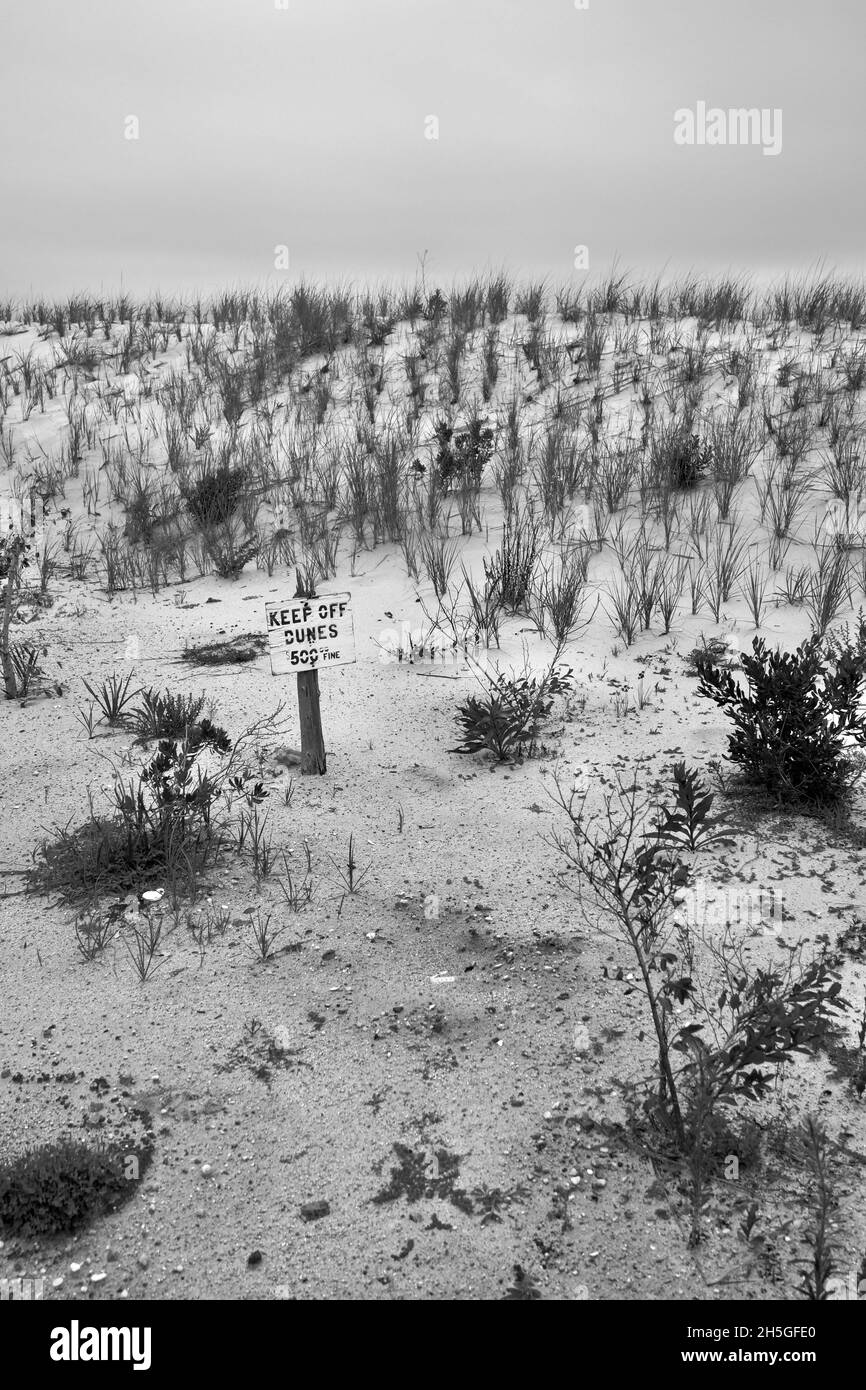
305	634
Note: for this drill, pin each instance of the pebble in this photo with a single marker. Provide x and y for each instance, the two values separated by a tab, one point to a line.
206	1170
313	1211
75	1266
98	1278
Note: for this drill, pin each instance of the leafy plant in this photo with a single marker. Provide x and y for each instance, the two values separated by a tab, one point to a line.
677	457
507	718
461	455
522	1288
688	822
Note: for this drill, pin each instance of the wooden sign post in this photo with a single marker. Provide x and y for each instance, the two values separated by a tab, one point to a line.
305	633
313	756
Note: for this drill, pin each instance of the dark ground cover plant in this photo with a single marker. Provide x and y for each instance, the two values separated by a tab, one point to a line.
55	1188
796	719
13	560
232	651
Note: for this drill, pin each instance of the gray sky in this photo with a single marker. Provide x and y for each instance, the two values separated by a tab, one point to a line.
305	127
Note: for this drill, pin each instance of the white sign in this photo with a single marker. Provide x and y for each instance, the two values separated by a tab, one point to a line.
306	633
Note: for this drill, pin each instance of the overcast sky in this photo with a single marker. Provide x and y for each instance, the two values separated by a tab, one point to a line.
305	127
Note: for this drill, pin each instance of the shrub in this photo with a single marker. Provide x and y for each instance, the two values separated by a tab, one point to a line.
847	640
436	307
796	721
